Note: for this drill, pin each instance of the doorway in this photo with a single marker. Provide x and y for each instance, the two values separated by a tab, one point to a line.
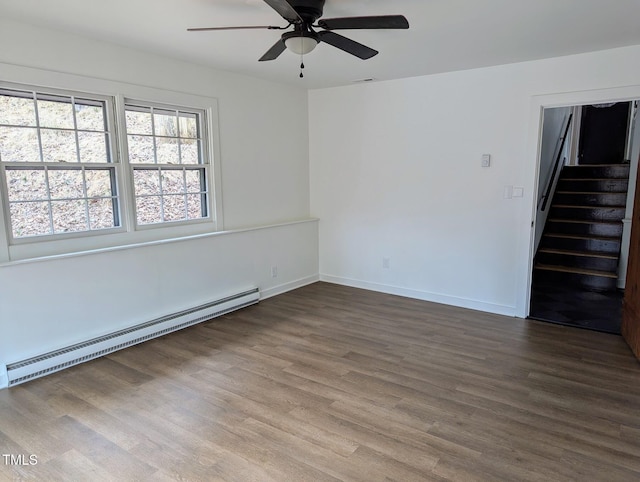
581	237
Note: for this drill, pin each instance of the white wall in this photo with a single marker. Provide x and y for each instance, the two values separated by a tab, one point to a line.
264	170
396	172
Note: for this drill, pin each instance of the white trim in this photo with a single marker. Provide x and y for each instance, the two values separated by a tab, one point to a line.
125	184
4	377
526	230
153	243
215	190
422	295
290	286
624	253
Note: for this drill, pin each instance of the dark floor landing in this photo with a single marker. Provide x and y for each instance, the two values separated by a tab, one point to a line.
571	305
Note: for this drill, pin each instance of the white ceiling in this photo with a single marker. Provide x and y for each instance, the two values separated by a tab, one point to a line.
445	35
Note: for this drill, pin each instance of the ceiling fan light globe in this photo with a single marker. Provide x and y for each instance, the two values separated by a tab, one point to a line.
301	45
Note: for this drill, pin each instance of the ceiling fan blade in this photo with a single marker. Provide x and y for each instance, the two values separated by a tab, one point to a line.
350	46
244	27
351	23
285	10
274	52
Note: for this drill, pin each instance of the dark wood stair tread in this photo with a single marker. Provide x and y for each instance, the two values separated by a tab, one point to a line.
583	221
601	165
572	206
583	237
595	193
581	271
590	254
581	179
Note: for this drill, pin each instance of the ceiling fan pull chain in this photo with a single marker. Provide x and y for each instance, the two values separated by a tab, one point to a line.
301	66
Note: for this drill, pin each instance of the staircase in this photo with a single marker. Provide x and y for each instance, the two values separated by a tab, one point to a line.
581	241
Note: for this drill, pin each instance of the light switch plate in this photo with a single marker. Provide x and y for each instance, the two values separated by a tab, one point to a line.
486	160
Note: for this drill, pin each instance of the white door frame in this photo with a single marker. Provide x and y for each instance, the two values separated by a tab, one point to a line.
526	240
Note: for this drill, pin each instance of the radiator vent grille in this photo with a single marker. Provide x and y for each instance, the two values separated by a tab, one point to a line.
57	360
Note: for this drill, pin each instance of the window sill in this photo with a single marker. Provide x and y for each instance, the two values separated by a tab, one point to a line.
157	242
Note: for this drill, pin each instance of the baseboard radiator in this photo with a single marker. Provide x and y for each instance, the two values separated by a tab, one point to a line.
41	365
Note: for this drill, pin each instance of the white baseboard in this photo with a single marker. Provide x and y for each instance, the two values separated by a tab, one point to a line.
423	295
291	285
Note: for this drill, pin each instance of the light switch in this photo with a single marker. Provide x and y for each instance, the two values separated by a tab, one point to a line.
518	192
486	160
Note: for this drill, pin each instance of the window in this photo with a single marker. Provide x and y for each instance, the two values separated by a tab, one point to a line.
56	163
77	165
167	164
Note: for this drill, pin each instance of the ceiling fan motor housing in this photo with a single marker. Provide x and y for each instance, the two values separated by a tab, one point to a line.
309	10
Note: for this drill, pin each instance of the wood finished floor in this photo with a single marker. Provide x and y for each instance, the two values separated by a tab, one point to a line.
334	383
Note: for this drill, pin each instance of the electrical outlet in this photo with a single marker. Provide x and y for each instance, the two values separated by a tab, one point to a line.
274	271
386	263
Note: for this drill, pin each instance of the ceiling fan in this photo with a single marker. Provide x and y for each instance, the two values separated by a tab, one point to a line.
302	15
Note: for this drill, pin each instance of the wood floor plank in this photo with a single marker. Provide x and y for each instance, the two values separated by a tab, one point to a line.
334	383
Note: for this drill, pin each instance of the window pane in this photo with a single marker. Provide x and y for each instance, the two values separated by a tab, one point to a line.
148	210
174	208
26	185
101	213
65	183
55	114
58	146
172	182
64	131
19	144
146	181
93	147
161	195
90	117
99	183
167	150
138	122
189	151
188	125
194	183
30	219
69	216
165	123
17	111
141	150
194	206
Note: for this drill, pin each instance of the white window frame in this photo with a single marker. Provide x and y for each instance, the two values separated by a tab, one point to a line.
128	233
114	165
206	164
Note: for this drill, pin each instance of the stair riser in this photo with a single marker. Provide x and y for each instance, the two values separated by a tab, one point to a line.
591	199
597	245
584	262
596	283
594	229
591	185
593	214
596	172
